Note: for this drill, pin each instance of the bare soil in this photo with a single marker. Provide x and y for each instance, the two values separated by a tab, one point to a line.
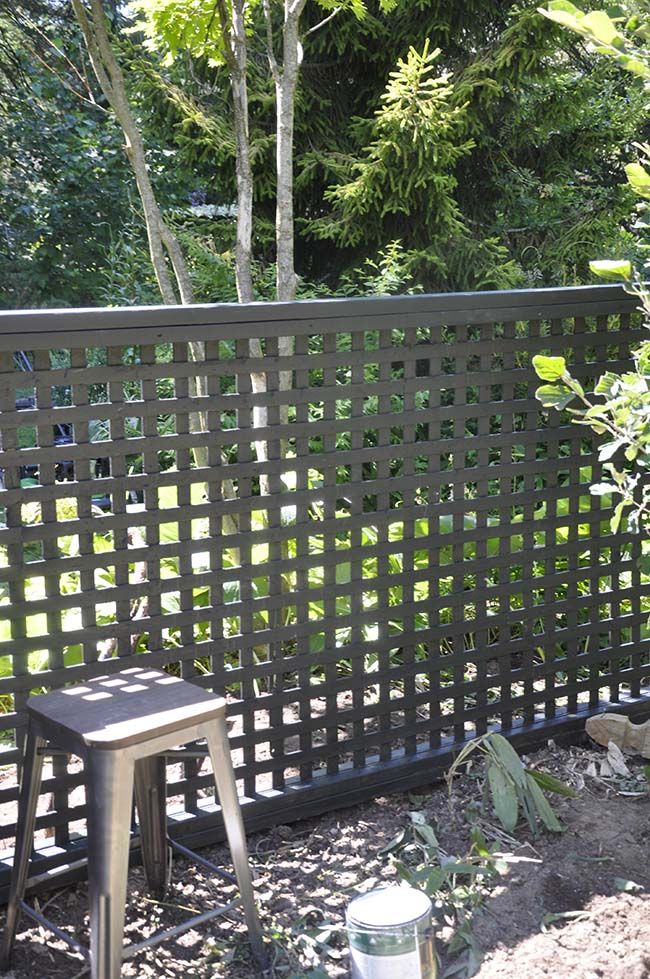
577	906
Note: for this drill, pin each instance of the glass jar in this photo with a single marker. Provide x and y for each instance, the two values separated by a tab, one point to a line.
391	935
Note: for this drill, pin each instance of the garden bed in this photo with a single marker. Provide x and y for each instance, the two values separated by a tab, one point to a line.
572	904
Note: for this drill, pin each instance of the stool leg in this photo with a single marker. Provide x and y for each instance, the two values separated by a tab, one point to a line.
109	788
30	781
150	801
219	748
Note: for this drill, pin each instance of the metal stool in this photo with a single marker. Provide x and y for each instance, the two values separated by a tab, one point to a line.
119	725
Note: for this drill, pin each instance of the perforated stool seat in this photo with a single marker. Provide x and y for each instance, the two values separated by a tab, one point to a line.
120	725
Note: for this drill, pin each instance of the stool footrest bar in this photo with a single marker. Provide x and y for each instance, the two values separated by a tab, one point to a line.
50	926
197	858
129	950
198	919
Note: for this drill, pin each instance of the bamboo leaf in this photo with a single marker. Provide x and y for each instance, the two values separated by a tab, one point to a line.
508	757
392	844
504	797
551	784
544	809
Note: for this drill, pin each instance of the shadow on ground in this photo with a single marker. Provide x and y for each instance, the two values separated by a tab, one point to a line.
564	916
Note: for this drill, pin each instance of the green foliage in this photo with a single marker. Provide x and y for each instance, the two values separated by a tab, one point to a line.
458	886
550	368
498	164
628	47
406	166
406	169
195	25
127	276
613	269
179	25
62	183
391	273
542	182
547	173
619	407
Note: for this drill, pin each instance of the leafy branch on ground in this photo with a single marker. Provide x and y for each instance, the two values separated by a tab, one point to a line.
459	885
456	885
513	789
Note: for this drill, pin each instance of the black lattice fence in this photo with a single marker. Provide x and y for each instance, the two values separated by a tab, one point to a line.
384	559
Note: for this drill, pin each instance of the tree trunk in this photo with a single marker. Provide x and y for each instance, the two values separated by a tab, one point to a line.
236	47
286	80
163	244
111	79
285	86
233	29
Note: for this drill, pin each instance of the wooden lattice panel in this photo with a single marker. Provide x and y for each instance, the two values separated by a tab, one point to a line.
386	557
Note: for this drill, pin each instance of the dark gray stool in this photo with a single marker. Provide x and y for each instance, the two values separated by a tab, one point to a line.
119	725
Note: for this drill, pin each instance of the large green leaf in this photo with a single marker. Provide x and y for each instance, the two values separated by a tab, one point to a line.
551	784
612	269
638	179
549	368
610	449
504	796
554	395
608	384
615	522
543	806
505	754
601	27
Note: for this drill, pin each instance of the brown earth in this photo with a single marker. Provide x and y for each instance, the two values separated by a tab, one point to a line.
308	872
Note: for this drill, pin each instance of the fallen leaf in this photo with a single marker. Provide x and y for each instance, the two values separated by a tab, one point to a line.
551	918
616	760
628	886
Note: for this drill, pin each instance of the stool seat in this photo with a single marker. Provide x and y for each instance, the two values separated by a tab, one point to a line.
119	710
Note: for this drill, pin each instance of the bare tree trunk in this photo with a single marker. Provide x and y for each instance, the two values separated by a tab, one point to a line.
163	244
233	29
285	77
286	81
109	74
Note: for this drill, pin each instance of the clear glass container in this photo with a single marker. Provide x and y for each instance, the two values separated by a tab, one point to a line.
391	935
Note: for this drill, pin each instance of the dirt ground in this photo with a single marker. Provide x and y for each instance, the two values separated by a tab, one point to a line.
575	904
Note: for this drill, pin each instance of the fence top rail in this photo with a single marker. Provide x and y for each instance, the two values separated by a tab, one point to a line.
314	315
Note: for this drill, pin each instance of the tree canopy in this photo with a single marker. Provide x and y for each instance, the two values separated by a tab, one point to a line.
437	146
